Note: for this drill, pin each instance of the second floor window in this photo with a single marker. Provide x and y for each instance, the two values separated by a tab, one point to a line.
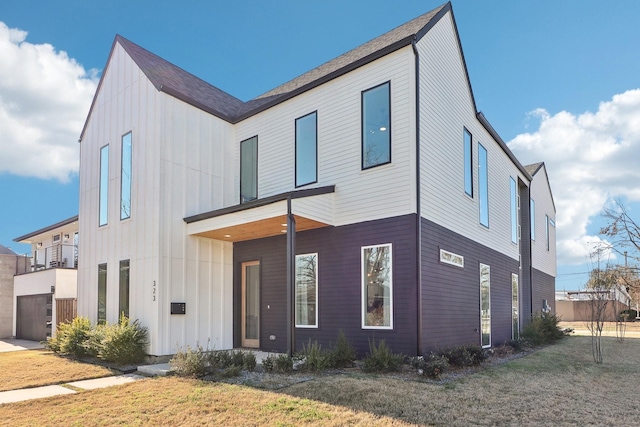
468	165
376	126
249	169
307	149
104	186
514	211
483	181
125	178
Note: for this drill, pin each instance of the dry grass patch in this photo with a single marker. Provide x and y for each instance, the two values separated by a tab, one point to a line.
609	330
178	401
556	385
32	368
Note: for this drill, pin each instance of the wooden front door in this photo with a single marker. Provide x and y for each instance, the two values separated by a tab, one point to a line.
251	304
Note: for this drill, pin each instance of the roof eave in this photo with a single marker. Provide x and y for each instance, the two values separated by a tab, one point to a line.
45	229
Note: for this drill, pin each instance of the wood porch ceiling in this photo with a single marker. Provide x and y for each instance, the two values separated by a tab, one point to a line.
259	229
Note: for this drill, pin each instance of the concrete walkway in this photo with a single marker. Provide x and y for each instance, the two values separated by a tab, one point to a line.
11	344
56	390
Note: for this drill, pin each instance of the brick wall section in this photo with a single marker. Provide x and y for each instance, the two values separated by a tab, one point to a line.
339	284
451	295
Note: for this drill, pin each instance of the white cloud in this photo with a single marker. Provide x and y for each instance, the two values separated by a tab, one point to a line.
591	158
44	100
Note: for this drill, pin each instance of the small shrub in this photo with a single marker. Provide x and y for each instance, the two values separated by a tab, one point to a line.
518	344
95	337
249	361
231	371
70	337
313	357
543	329
124	343
464	355
277	363
190	362
382	359
219	359
237	357
343	354
432	366
628	315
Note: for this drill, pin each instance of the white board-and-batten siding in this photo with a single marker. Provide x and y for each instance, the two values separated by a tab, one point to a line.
177	167
360	195
541	258
446	109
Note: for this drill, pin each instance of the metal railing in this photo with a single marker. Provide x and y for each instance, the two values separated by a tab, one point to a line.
56	256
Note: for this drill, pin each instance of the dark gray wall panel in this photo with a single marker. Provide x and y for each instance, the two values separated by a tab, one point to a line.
525	254
451	295
544	287
339	284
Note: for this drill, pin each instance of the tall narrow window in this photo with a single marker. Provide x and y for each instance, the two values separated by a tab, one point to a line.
485	305
307	149
376	126
515	303
514	211
532	207
104	186
546	229
102	293
307	291
123	306
468	163
483	180
125	178
249	169
377	287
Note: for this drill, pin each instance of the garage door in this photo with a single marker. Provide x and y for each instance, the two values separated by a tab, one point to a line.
33	317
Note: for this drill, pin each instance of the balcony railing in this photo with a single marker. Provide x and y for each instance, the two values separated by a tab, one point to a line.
56	256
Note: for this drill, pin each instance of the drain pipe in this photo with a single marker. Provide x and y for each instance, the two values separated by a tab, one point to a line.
418	213
291	277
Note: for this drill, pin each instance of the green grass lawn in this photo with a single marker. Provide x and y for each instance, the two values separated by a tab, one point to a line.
557	385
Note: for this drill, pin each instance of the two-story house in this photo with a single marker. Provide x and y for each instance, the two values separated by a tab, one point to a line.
45	282
368	195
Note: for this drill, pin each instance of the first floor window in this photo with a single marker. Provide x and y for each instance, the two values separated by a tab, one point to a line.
515	300
377	287
485	305
102	293
123	306
376	126
307	291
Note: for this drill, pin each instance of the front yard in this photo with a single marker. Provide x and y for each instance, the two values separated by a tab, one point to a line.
557	385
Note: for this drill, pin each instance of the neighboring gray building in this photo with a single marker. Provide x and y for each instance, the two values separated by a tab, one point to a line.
9	266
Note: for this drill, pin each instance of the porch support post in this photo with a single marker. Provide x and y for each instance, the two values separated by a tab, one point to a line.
291	278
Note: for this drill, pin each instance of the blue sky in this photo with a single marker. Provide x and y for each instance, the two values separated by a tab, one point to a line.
557	79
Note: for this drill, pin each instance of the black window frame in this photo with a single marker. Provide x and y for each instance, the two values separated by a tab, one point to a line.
124	289
297	184
362	126
468	168
256	168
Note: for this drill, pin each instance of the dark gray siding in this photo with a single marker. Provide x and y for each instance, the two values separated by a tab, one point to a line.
339	284
543	288
451	295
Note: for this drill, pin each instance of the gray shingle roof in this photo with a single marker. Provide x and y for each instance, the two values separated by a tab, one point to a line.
176	82
6	251
533	168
